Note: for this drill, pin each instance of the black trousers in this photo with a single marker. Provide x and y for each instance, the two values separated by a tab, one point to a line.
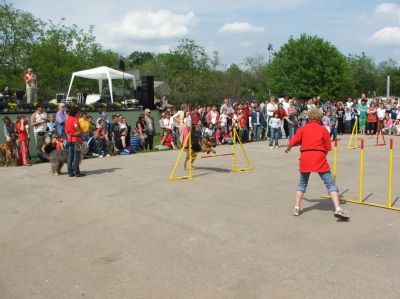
149	142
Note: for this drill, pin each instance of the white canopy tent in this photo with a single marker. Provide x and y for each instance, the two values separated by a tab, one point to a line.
102	73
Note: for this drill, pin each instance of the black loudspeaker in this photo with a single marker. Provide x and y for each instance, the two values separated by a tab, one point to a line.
121	65
147	93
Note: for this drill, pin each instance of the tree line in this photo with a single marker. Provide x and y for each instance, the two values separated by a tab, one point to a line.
304	67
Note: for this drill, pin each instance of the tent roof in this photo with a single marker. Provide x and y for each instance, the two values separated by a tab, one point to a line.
101	73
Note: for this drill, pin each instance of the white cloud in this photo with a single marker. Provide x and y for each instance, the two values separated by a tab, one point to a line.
389	36
240	27
150	25
388	10
247	44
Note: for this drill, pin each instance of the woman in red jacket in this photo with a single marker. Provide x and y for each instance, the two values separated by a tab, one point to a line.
315	144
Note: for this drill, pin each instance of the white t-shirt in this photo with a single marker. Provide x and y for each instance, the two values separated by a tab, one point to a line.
39	117
223	118
271	108
214	115
381	112
286	106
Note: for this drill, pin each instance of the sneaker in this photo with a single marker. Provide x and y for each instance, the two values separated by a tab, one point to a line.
297	211
79	175
341	214
271	147
95	155
101	156
276	146
108	155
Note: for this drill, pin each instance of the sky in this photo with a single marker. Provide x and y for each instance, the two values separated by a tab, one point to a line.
236	29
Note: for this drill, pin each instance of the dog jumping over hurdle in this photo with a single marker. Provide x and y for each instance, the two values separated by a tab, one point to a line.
6	150
206	145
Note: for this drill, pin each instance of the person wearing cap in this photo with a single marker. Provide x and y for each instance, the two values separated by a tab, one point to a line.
150	129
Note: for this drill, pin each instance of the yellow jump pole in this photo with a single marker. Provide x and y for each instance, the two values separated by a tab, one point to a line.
390	174
354	132
171	177
360	194
335	160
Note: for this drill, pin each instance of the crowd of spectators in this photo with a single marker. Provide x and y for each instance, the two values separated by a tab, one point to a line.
269	119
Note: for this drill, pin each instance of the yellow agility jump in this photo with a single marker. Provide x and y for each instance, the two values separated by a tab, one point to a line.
360	200
188	142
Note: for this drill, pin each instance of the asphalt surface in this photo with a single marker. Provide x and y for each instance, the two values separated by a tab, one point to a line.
126	231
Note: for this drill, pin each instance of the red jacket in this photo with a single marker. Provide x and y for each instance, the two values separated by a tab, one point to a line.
315	144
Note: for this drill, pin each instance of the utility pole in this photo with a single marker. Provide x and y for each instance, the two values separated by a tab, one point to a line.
270	49
388	87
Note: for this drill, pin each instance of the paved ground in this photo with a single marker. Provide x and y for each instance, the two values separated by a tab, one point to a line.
125	231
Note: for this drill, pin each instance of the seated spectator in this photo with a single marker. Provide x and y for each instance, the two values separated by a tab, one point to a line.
101	139
221	136
51	125
388	125
135	142
166	142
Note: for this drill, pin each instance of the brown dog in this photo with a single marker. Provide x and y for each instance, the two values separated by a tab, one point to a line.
5	152
207	145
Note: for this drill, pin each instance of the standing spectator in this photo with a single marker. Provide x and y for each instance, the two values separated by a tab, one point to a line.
362	118
31	86
349	103
179	117
256	121
271	108
39	124
334	124
194	115
23	132
347	121
74	141
275	124
19	95
213	116
381	113
223	119
283	116
340	114
6	94
61	116
371	119
150	129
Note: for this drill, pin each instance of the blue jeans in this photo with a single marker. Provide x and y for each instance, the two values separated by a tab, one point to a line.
333	132
255	132
326	178
74	157
274	136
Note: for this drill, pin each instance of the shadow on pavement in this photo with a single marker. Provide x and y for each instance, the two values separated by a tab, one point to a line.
100	171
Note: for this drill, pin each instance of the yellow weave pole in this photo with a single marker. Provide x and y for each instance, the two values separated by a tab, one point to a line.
234	150
360	194
190	156
390	189
354	132
171	177
334	160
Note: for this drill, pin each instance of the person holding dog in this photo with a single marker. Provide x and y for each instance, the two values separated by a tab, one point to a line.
315	144
74	140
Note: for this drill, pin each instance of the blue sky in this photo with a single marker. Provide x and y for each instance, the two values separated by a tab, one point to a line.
236	29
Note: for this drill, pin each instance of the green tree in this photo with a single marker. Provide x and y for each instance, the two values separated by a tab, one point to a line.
19	33
138	58
306	67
